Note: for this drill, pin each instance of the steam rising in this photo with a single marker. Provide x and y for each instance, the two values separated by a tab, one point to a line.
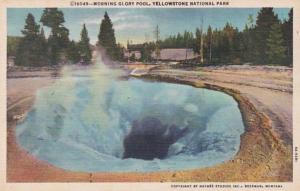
80	122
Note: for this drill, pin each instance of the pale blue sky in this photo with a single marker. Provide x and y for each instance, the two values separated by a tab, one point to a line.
135	24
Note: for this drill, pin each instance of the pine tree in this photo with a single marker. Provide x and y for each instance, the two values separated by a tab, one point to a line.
287	28
248	41
236	48
31	28
275	47
146	51
73	53
43	45
84	46
106	36
248	44
12	45
209	43
226	44
157	42
198	40
30	50
59	37
215	46
265	19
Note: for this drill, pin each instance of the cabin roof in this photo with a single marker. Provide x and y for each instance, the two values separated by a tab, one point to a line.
176	54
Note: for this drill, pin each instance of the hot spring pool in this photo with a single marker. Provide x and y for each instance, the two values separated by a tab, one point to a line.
91	121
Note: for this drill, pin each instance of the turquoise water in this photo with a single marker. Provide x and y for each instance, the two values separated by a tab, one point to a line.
80	122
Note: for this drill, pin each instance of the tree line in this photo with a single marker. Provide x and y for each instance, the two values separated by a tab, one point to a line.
267	40
34	49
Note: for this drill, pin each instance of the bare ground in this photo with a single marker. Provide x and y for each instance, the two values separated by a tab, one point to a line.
264	97
269	88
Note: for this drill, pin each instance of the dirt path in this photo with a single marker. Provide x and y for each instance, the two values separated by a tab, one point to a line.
269	90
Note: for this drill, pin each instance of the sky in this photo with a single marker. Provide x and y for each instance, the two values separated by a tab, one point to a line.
137	24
